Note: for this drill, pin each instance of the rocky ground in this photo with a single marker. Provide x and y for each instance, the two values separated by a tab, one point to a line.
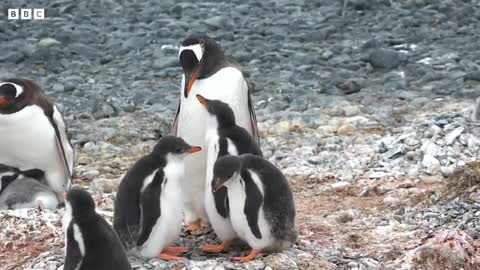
366	107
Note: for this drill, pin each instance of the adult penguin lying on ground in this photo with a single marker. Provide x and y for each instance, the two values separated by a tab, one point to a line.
33	133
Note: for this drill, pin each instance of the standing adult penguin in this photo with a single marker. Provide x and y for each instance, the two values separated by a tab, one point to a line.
261	203
207	71
33	133
90	242
148	206
223	137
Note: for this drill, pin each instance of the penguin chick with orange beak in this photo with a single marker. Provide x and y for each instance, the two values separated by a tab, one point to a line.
261	203
223	137
148	207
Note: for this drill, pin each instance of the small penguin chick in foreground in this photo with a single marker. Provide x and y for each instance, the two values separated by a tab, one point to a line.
148	207
261	204
90	242
223	137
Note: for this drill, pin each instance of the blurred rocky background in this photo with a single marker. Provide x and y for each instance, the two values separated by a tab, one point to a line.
366	105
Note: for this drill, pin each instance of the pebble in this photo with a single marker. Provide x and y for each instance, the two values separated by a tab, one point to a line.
384	58
48	42
346	130
340	186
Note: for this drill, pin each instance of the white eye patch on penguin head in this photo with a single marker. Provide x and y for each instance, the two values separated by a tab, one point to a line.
9	91
191	57
191	54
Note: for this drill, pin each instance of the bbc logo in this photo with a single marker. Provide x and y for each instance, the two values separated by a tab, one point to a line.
26	14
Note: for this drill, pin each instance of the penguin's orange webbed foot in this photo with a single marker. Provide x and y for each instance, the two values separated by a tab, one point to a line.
196	225
253	253
169	257
216	248
175	250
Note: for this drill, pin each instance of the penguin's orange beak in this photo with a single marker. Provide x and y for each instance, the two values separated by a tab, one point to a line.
190	80
202	100
194	149
3	100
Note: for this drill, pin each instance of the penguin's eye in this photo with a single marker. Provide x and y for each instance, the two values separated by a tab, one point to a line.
178	150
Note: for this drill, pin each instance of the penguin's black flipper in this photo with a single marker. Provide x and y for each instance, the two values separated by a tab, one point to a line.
253	117
174	129
56	120
253	201
220	196
150	196
73	256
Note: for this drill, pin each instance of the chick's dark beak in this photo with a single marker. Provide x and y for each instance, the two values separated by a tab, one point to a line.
202	100
219	182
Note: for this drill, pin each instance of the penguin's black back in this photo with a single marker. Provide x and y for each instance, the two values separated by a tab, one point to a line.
126	218
103	249
243	141
278	203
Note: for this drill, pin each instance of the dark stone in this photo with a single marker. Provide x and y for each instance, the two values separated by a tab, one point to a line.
384	58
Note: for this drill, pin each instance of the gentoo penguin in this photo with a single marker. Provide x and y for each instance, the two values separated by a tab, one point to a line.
148	207
223	137
209	72
261	204
33	134
90	242
19	190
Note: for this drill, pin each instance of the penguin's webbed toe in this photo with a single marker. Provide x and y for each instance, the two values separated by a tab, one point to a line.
216	248
253	253
169	257
175	250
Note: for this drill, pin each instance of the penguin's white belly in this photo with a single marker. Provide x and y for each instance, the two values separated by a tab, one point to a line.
222	226
168	226
27	141
236	195
229	86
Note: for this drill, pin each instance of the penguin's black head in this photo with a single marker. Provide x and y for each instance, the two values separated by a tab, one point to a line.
174	146
220	110
10	91
224	170
198	56
7	175
79	201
